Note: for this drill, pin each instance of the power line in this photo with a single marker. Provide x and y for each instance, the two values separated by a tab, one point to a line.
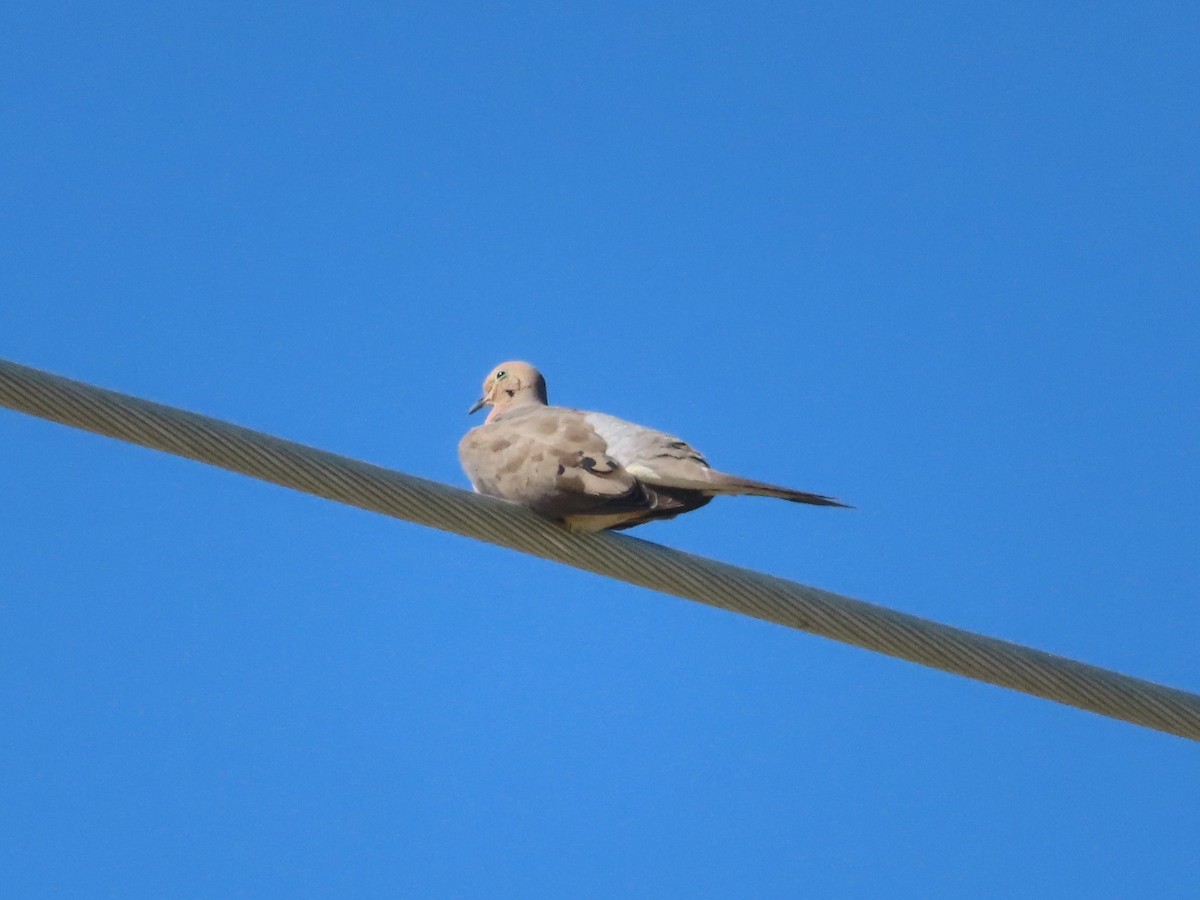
625	558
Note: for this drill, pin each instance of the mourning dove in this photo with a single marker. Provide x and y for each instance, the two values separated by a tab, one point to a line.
589	470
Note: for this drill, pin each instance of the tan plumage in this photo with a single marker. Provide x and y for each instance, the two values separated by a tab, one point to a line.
590	470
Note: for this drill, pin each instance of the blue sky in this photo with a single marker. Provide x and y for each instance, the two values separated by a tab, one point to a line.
940	261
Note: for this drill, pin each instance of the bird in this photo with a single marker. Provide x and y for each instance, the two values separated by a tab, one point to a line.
588	470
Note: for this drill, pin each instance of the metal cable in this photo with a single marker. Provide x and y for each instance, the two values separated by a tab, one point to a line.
616	556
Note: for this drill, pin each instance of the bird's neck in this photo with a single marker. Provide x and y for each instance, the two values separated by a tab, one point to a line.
520	401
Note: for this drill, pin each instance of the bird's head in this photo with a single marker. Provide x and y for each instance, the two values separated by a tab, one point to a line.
511	384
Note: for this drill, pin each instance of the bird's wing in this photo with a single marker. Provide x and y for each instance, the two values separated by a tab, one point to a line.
552	460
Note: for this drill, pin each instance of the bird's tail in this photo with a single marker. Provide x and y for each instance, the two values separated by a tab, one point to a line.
720	483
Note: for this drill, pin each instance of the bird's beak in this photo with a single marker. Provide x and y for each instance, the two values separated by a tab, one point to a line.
479	404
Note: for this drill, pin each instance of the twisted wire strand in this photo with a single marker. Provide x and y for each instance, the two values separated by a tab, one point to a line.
628	559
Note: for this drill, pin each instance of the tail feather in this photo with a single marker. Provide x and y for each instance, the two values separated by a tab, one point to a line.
720	483
710	482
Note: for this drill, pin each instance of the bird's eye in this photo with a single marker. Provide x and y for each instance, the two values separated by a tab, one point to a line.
501	375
